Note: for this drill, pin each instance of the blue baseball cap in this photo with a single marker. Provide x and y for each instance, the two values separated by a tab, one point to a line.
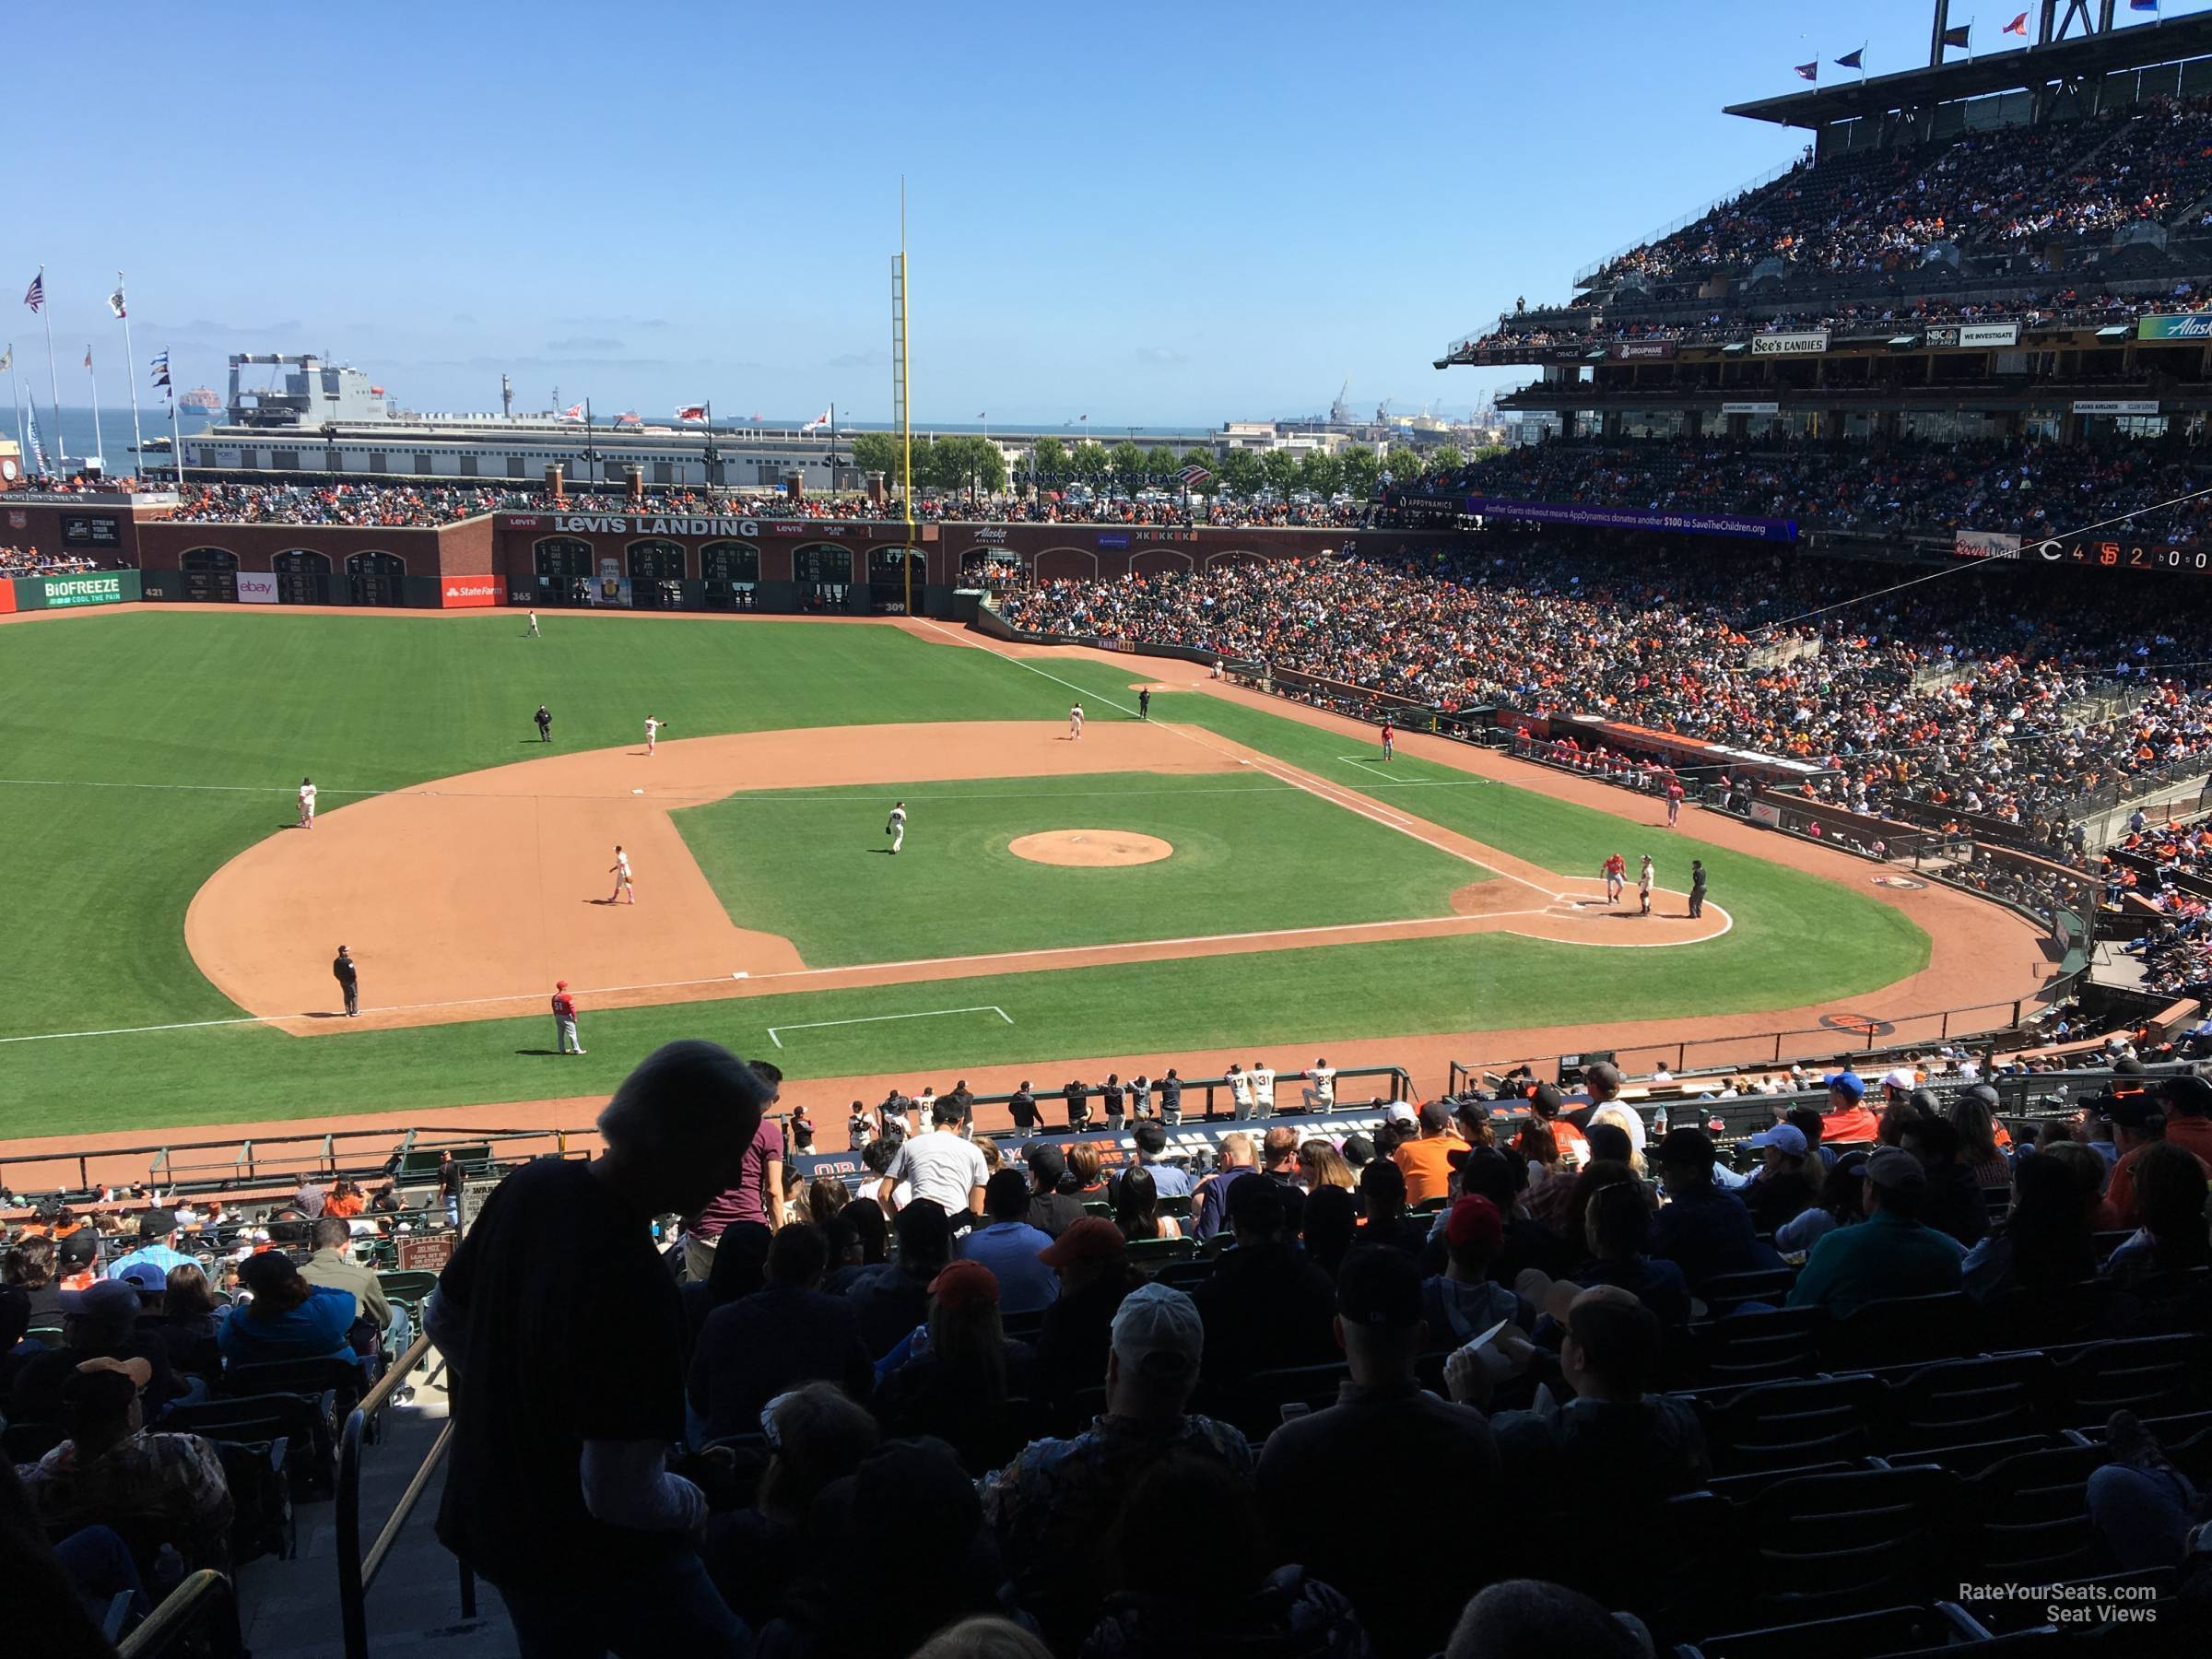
1848	1083
145	1277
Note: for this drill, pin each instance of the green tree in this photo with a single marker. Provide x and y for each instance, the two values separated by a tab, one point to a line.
1087	461
1127	462
1280	466
986	463
1240	472
1446	458
877	452
1362	467
1321	472
1048	460
1404	464
1161	465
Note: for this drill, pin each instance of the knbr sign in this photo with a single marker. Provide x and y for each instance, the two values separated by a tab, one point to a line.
468	592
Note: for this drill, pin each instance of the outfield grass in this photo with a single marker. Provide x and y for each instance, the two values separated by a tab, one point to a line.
1252	855
141	751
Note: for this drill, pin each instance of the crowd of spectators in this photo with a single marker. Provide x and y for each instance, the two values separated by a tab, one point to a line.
379	505
1908	487
30	561
1966	695
1880	209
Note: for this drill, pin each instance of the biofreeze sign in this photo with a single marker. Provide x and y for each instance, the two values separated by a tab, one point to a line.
82	590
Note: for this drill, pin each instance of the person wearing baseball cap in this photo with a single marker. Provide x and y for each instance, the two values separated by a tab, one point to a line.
1848	1117
1387	1447
564	1019
1428	1159
99	1322
1092	1259
155	1228
2140	1121
1464	1300
1266	1303
957	1389
160	1488
1050	1506
1891	1253
1782	1188
1701	1228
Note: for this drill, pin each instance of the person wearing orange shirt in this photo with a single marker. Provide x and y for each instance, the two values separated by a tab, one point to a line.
1427	1161
1847	1118
2186	1101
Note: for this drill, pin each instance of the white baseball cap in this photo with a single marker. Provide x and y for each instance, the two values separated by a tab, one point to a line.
1158	1333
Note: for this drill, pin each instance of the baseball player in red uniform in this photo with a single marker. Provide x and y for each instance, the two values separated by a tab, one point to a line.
1615	873
1390	740
1674	802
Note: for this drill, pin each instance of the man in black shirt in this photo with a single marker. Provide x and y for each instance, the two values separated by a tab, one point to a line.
558	1490
348	978
1170	1099
1077	1094
786	1334
1023	1105
545	724
1051	1210
1266	1304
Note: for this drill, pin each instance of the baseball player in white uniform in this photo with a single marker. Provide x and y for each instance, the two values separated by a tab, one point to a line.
1263	1089
307	804
1643	886
534	625
652	734
895	827
620	871
1240	1090
1075	723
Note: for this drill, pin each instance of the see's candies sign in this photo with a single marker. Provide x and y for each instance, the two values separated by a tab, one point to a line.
465	593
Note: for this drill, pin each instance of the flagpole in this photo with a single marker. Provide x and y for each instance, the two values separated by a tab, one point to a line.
130	358
14	395
93	376
53	377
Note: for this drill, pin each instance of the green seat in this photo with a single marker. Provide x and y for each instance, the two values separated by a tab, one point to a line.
1155	1252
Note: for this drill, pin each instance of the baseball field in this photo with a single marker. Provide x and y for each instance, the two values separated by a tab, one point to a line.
1233	876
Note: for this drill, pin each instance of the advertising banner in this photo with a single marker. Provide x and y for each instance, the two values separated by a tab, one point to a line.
1640	352
459	593
1989	334
7	597
1750	409
1985	543
1789	344
2192	325
256	587
61	592
1636	518
1113	538
2115	405
1761	812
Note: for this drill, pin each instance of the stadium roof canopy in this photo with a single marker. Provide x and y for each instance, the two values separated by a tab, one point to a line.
2082	58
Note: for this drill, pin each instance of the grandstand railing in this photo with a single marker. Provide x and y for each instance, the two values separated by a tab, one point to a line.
356	1569
200	1616
266	1164
1762	1051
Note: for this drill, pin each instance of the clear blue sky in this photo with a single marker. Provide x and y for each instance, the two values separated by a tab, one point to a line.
1168	214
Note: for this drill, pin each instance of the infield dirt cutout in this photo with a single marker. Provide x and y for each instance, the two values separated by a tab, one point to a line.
467	897
1090	848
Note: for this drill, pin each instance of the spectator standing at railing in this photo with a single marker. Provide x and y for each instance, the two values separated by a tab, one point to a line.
558	1490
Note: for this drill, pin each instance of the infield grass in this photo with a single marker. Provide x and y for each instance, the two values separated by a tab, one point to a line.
143	750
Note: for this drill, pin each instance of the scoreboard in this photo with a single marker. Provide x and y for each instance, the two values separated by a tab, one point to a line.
2124	556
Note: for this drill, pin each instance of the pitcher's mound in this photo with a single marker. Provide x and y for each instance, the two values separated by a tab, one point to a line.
1090	848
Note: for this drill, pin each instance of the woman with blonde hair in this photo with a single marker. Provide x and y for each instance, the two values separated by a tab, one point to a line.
1629	1124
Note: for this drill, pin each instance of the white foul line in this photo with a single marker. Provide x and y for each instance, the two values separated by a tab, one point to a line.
816	1025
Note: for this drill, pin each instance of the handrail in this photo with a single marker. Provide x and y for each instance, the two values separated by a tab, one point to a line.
358	1570
180	1605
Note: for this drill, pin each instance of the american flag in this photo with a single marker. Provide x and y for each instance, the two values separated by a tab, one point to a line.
1195	475
35	296
691	411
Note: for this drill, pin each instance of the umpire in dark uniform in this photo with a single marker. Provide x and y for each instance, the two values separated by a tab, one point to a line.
545	724
1697	886
349	982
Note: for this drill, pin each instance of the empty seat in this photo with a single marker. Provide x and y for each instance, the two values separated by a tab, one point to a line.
2151	1376
1723	1292
1750	1348
1958	1400
1970	1458
1794	1425
1852	1636
2045	1316
2027	1518
1902	1329
1826	1545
